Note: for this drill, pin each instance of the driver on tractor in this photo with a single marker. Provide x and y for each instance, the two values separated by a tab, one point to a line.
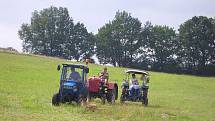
75	75
134	88
104	75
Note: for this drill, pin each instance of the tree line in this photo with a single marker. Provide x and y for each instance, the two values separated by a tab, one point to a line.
124	41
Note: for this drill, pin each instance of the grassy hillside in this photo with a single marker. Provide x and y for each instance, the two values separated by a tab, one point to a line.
27	84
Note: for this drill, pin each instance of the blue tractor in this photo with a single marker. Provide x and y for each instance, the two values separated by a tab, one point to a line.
135	92
72	84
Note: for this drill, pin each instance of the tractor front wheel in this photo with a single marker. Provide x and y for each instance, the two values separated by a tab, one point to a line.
81	100
89	97
122	99
56	99
103	98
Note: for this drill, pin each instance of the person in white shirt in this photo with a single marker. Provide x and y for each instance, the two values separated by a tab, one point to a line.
134	85
145	86
145	80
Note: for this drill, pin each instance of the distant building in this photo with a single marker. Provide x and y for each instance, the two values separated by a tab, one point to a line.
9	49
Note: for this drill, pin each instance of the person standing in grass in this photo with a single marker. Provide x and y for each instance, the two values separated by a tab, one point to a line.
145	86
145	80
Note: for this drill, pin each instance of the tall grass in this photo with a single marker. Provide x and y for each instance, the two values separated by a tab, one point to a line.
27	83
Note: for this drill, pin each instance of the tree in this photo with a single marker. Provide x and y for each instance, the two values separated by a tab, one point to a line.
83	42
53	33
47	32
197	37
145	59
158	47
106	47
117	41
26	36
163	46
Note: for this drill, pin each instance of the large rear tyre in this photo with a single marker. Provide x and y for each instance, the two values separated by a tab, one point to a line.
56	99
111	96
145	96
146	102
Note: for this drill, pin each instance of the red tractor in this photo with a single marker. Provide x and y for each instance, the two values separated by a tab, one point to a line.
98	88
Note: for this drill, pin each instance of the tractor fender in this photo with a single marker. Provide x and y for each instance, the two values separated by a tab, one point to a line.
110	86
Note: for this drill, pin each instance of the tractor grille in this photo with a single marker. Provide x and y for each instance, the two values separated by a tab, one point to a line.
70	89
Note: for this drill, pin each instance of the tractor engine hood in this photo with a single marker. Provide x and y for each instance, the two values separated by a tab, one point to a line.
70	85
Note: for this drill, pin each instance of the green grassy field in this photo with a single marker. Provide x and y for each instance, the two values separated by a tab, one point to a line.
28	82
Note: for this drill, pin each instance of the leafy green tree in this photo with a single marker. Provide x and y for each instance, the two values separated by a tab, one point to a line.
84	42
197	37
26	36
47	32
53	33
163	45
63	29
107	48
145	52
158	47
117	41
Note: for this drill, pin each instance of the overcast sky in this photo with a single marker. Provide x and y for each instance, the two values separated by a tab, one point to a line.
95	13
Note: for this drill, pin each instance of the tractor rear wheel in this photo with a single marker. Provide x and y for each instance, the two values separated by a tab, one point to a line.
111	96
145	97
145	101
56	99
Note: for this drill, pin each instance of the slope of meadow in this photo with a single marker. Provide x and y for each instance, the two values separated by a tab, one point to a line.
27	83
